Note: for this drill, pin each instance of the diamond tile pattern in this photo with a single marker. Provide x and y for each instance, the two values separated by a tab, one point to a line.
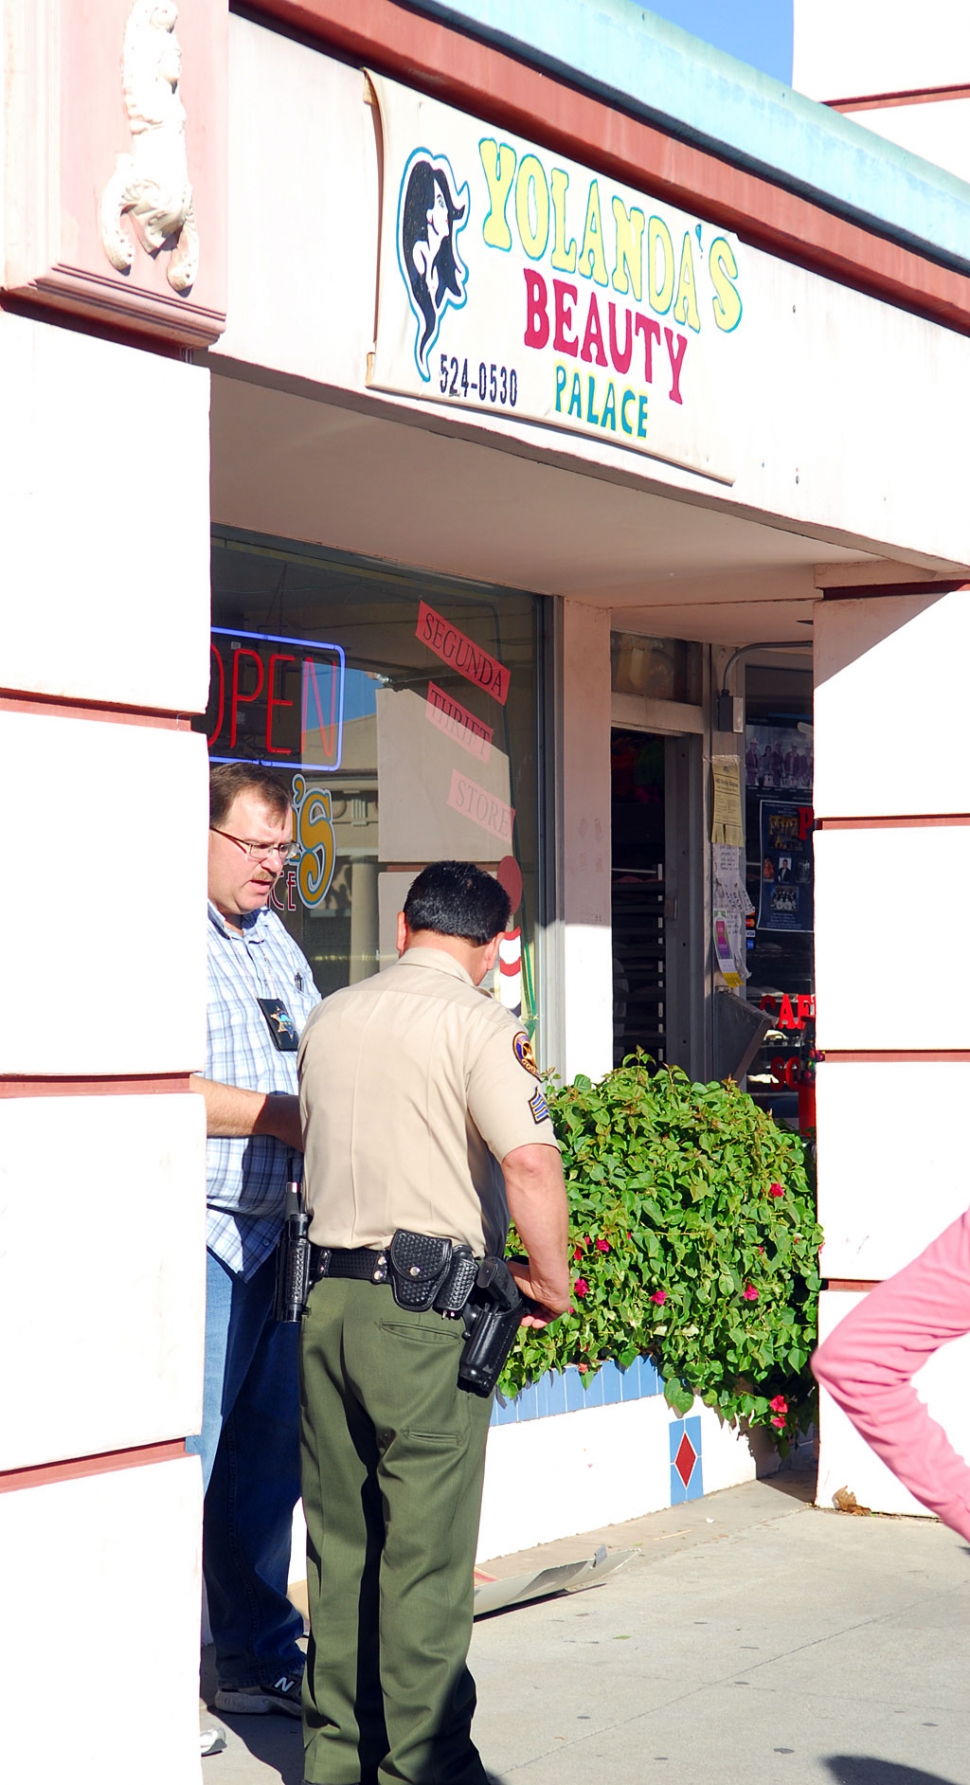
685	1459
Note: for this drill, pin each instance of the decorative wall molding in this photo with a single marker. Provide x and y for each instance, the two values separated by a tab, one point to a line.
169	1084
874	102
107	112
76	1468
152	182
14	700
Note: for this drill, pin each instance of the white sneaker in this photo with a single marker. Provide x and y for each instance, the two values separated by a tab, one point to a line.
212	1740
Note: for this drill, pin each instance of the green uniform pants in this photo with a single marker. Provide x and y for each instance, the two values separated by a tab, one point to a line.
393	1456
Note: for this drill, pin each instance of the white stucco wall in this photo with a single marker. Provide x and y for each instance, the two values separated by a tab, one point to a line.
114	1312
892	971
104	548
109	976
105	1577
939	132
575	1472
890	692
848	47
891	968
892	1160
104	519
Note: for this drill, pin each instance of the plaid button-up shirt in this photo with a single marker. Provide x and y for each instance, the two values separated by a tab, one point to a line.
246	1178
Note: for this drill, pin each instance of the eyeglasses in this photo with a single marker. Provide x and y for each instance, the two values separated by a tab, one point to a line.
258	852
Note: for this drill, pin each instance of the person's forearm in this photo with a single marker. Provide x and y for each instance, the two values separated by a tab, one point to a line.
234	1113
537	1204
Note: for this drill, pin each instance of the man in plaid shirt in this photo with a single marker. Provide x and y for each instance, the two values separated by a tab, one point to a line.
261	992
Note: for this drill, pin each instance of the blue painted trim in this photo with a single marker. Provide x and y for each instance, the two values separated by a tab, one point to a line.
656	71
564	1391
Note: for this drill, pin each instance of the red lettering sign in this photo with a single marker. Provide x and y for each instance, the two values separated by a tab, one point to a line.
275	701
482	807
536	314
448	715
461	653
789	1017
281	707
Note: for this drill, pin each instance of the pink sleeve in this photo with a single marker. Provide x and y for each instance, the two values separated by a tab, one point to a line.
869	1361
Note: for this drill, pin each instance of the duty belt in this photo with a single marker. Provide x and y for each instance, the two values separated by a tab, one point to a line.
360	1262
426	1272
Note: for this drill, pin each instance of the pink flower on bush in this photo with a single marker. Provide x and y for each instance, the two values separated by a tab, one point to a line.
779	1404
603	1246
777	1422
749	1293
582	1368
577	1254
775	1190
580	1287
659	1296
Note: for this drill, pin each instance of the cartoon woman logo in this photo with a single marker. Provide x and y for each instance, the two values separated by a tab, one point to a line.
430	215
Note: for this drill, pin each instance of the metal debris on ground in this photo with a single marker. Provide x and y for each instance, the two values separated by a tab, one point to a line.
567	1577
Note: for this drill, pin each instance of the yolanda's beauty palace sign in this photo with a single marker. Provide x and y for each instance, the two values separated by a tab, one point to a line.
515	281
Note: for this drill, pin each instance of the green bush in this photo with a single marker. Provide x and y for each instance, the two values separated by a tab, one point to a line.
694	1240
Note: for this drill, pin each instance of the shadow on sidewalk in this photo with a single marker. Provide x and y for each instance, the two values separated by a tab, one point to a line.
798	1482
864	1769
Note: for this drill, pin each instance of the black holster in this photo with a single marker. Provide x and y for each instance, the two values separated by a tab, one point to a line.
493	1314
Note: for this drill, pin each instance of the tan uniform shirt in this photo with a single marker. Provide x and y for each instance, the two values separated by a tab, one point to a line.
414	1085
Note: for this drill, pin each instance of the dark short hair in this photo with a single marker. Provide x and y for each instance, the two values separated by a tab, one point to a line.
458	899
228	779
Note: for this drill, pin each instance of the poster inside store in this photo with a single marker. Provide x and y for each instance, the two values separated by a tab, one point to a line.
787	867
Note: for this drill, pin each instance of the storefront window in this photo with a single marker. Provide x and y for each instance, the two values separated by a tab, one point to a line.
405	714
781	887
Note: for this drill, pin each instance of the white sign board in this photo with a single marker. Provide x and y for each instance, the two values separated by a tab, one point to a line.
445	789
515	281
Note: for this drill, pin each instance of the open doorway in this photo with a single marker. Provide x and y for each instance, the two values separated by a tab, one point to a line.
637	763
658	905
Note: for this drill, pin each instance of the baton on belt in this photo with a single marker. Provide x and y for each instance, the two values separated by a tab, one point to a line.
293	1256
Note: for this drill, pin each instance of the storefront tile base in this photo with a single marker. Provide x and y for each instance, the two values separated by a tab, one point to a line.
569	1391
547	1478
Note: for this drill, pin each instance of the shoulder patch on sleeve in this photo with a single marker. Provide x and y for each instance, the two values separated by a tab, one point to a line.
522	1049
539	1107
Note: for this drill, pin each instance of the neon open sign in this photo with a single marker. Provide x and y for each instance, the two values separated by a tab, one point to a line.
276	701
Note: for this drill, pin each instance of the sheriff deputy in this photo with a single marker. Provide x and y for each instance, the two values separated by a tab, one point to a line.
423	1115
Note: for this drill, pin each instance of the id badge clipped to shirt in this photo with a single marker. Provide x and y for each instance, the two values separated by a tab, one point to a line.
280	1024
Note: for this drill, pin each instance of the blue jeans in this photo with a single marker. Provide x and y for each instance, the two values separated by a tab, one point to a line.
249	1446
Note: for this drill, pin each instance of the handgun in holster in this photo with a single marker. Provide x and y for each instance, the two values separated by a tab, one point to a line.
293	1255
492	1315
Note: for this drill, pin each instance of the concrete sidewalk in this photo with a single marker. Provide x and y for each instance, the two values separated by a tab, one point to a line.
753	1639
